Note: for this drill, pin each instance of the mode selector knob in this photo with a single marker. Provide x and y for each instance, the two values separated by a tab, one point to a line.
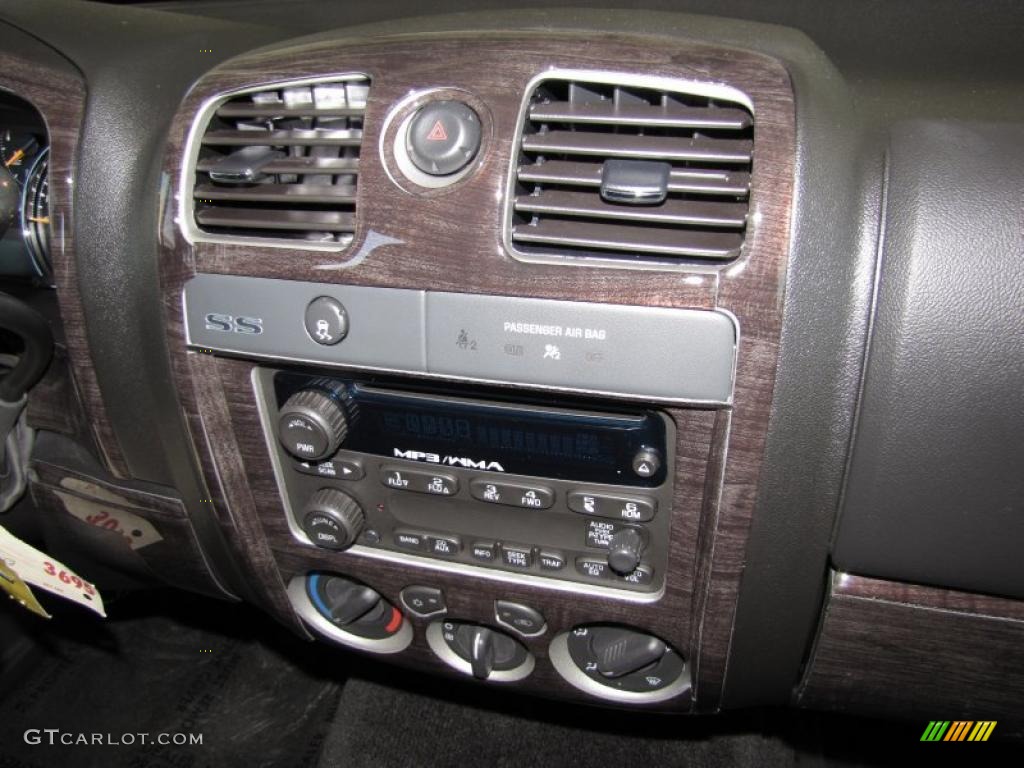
312	425
332	519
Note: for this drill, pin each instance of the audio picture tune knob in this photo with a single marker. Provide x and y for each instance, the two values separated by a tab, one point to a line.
311	425
332	519
624	551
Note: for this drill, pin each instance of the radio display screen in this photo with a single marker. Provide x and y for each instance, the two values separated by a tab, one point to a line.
518	439
475	435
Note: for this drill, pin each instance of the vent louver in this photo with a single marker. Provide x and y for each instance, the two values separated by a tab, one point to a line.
642	174
282	163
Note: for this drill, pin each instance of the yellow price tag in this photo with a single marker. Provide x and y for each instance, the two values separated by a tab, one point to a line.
19	591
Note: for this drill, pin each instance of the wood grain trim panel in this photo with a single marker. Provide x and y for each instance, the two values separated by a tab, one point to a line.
234	501
890	648
452	241
847	586
79	502
59	94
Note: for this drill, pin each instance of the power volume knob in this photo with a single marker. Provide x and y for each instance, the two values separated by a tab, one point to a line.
333	520
312	425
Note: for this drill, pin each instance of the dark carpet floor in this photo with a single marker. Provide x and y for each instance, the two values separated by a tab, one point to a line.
259	697
157	669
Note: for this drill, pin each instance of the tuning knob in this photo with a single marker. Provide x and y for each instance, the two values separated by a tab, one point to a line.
624	550
312	425
332	519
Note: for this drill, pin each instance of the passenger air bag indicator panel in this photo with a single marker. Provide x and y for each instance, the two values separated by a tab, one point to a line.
574	345
645	353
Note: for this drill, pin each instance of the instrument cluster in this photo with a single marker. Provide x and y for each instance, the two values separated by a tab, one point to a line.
24	192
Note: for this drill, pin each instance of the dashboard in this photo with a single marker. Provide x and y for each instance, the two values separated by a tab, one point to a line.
648	360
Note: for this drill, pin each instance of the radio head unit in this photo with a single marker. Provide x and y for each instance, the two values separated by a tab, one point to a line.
439	478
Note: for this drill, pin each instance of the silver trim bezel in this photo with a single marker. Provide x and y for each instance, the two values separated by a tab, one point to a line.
604	77
300	601
435	639
187	175
561	660
37	257
626	397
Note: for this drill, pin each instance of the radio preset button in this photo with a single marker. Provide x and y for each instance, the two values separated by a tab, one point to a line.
338	469
637	510
517	557
484	551
421	482
438	485
592	567
445	546
395	478
550	561
510	494
407	540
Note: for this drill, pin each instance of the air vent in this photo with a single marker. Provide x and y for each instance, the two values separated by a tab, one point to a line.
643	174
282	164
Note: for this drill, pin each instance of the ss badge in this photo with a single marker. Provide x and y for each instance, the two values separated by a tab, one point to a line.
215	321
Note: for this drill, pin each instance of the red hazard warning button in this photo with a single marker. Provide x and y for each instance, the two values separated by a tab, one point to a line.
443	137
438	133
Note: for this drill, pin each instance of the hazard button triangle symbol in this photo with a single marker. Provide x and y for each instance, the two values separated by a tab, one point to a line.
438	133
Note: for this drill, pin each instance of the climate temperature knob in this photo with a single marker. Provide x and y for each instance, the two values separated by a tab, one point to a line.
354	613
332	519
312	425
